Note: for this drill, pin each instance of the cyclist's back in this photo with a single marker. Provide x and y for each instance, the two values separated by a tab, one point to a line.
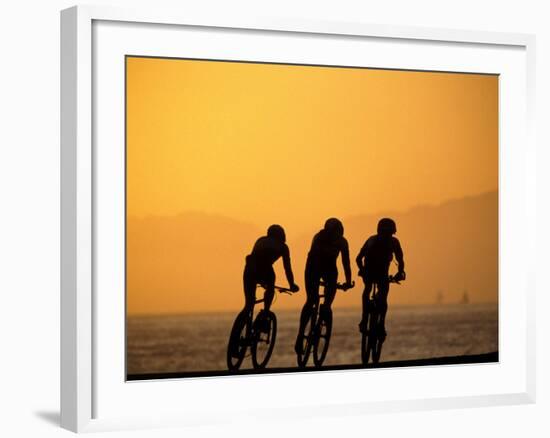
324	251
265	252
377	254
259	266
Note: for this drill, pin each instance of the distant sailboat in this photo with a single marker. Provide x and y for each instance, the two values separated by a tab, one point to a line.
465	298
439	297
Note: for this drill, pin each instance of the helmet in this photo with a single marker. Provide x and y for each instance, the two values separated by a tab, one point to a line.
386	226
334	227
276	232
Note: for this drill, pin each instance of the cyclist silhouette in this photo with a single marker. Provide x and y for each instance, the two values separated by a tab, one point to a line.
374	263
259	267
327	244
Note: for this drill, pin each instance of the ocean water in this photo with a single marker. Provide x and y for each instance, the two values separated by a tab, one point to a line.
198	342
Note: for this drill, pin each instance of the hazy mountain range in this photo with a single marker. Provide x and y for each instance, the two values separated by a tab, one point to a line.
194	261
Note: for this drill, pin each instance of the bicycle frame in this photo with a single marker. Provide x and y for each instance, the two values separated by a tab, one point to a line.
312	338
371	340
259	301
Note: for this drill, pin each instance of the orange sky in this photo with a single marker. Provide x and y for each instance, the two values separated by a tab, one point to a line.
263	143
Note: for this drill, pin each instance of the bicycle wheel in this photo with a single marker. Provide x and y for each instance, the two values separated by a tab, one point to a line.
377	350
263	339
307	341
365	352
379	339
372	349
321	336
238	341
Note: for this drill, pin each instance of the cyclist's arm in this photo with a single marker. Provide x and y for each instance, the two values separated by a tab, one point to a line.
345	260
398	251
360	257
287	265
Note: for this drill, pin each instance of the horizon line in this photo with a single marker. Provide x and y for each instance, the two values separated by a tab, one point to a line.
298	309
352	216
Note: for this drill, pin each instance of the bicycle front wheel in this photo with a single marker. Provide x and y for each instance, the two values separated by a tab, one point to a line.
365	348
321	337
373	342
238	341
377	350
365	351
307	341
264	335
379	339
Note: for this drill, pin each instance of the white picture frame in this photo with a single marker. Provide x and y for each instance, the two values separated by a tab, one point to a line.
90	401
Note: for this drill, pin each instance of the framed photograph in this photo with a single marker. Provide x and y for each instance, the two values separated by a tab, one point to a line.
291	207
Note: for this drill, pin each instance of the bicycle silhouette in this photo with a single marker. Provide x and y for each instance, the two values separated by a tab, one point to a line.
259	335
317	331
372	339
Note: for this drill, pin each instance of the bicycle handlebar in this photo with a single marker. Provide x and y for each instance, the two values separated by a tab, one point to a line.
284	290
340	286
392	279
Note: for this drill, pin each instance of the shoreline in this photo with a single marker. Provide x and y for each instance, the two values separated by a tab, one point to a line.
491	357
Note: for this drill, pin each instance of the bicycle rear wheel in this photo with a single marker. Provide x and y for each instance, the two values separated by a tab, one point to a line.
264	335
238	341
321	336
307	341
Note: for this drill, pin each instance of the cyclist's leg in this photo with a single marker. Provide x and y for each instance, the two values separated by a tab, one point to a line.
330	277
249	285
312	280
365	302
269	281
383	289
